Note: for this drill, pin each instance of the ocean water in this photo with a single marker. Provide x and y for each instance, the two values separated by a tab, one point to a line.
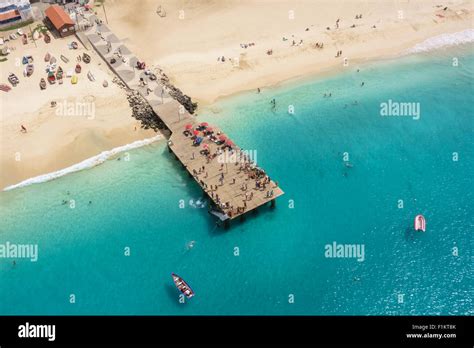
133	201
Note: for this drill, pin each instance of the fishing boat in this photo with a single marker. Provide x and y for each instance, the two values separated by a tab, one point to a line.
52	60
13	79
47	38
74	79
50	67
64	59
42	83
90	76
86	58
51	78
182	285
74	45
59	73
24	39
78	69
30	68
420	223
5	88
47	57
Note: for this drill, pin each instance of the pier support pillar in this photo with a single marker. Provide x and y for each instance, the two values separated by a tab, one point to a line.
272	203
227	224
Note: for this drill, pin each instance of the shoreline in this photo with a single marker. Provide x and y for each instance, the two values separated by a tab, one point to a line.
91	162
88	163
53	143
332	70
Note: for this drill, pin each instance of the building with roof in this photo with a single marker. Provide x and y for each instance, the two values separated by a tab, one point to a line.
13	12
58	20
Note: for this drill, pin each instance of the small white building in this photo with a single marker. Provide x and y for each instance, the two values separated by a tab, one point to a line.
14	11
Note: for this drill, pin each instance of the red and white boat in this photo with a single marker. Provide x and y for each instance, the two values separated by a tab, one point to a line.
420	223
182	285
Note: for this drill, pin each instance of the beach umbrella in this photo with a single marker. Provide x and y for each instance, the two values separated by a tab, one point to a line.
209	130
230	143
195	132
188	126
204	124
222	137
205	146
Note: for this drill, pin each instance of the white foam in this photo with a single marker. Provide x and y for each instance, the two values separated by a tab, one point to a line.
87	163
443	40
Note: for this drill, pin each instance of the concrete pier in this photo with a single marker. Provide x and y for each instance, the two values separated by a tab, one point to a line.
229	179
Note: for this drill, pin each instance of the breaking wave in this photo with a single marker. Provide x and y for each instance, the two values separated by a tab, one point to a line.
443	40
87	163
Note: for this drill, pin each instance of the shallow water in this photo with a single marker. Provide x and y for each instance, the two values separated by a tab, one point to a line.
281	252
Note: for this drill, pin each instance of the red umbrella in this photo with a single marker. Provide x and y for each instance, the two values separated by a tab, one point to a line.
229	142
222	137
205	146
209	129
188	126
195	132
204	124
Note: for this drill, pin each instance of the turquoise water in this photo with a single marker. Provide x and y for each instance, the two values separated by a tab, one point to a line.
136	204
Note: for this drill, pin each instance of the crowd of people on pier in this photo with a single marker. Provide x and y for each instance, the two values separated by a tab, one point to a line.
226	154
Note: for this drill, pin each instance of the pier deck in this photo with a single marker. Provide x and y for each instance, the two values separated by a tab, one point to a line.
236	188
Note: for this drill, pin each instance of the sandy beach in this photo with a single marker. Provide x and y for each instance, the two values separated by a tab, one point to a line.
209	49
187	42
86	120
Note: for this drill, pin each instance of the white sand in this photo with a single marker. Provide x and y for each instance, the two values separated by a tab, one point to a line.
101	119
188	48
186	45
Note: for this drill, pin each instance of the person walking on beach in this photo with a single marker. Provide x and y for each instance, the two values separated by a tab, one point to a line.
23	129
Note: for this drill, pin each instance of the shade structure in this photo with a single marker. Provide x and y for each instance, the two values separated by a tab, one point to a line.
222	137
205	146
209	130
204	124
230	143
195	132
188	126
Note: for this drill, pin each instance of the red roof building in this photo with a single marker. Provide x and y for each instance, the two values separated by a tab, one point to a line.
60	20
